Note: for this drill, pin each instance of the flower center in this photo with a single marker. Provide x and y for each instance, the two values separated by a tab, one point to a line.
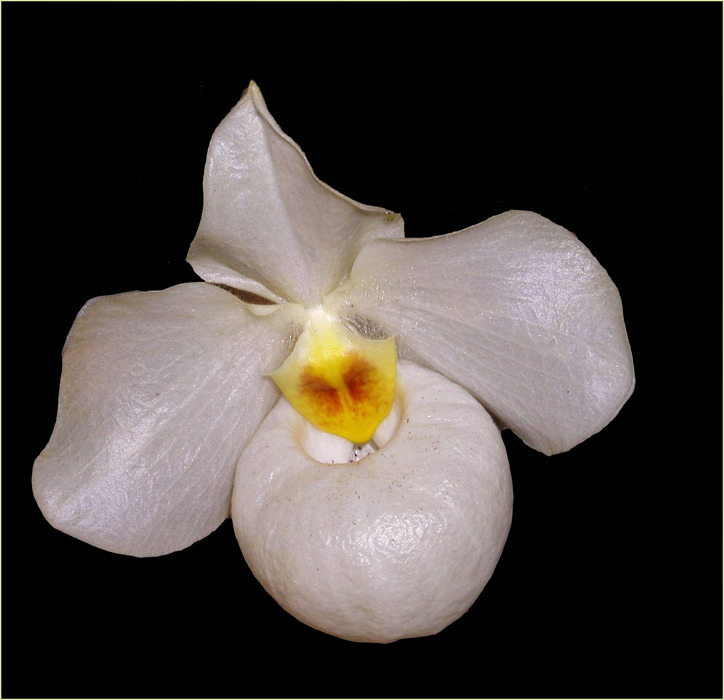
340	382
332	449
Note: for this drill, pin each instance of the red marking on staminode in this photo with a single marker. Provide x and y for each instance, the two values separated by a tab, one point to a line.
358	377
326	397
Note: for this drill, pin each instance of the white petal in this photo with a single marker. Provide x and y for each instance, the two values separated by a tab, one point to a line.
399	544
515	309
160	391
268	225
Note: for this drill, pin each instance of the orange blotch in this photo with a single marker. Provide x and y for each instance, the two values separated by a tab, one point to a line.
326	397
357	378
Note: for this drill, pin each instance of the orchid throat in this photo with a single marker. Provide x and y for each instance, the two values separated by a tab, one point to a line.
341	382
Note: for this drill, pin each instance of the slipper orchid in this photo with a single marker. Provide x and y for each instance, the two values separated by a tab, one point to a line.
330	385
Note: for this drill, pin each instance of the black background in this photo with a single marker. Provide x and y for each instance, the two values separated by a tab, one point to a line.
603	117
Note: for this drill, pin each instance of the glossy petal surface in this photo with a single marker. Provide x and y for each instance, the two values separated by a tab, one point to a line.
516	310
269	225
160	391
398	544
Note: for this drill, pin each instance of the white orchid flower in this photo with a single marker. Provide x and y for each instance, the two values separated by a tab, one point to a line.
330	385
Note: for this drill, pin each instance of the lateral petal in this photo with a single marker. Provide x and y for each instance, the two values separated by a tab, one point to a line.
159	394
517	310
269	225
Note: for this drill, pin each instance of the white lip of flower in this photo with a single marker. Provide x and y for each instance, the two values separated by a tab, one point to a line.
166	406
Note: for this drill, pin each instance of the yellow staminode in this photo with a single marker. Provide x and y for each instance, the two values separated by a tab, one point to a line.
339	381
